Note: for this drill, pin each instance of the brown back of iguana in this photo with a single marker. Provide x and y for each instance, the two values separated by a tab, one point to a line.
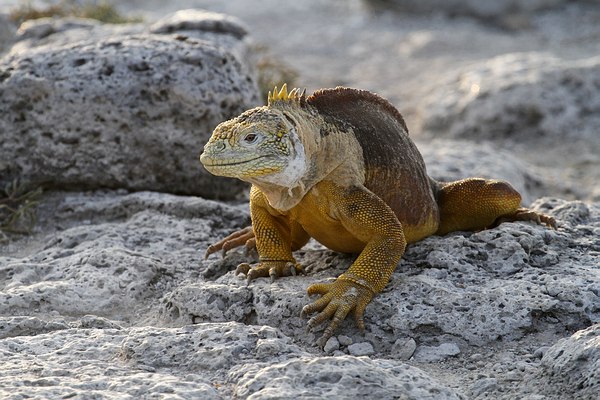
395	170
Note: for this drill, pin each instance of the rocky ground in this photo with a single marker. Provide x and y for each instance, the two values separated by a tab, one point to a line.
110	297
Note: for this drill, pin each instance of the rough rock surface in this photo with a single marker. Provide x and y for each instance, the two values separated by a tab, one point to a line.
115	281
574	362
86	105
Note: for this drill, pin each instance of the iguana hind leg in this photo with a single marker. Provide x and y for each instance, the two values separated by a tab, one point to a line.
475	204
236	239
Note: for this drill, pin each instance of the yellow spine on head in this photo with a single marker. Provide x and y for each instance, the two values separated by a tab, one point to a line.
282	96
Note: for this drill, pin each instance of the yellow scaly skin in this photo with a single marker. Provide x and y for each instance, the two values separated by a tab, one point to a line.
310	178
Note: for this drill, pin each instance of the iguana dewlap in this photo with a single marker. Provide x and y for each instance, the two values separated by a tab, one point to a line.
340	167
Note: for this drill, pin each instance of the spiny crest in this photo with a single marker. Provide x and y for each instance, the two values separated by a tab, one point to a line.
293	97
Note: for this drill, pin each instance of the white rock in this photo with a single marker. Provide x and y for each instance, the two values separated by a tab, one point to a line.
436	353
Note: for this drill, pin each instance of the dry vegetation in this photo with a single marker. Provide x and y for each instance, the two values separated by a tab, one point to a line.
102	10
18	204
271	71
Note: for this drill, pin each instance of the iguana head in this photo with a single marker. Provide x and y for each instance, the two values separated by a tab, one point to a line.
261	145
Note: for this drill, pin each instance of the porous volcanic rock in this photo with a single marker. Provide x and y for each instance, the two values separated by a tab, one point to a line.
115	281
89	105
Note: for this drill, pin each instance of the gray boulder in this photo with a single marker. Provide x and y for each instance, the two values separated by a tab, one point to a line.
524	97
87	105
500	283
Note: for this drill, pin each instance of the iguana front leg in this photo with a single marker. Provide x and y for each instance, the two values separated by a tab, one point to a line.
366	217
275	236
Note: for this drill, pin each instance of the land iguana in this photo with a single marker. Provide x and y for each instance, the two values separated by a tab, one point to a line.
340	167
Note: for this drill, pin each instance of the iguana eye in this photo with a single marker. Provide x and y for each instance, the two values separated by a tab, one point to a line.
251	138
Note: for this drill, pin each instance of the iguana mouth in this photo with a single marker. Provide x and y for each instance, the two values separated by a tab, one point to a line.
226	164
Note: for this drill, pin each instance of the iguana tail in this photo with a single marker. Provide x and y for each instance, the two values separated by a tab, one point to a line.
475	204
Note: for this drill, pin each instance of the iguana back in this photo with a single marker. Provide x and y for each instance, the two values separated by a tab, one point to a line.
394	168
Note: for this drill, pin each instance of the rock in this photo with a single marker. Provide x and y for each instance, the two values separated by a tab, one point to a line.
331	345
573	364
484	385
508	15
95	322
213	360
403	349
89	280
361	349
148	103
497	283
28	326
436	353
345	340
522	96
204	347
98	268
200	20
336	377
37	32
101	262
540	351
209	302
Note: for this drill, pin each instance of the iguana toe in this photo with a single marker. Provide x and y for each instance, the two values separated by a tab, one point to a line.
272	269
525	214
338	300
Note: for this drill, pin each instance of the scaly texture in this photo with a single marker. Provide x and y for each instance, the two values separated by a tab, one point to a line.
340	167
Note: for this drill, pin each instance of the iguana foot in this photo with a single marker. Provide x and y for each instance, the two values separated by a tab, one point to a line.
274	269
242	237
338	300
525	214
